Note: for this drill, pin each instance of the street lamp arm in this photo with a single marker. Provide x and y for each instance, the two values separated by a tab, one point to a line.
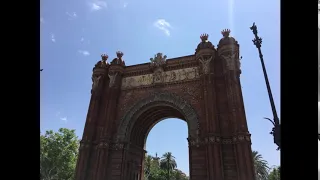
270	120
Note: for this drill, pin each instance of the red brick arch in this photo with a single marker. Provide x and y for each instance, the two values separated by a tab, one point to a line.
154	108
202	89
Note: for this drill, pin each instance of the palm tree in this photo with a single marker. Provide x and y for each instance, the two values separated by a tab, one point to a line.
168	163
260	165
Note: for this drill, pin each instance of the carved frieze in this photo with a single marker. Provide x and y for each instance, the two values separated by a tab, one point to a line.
220	140
161	77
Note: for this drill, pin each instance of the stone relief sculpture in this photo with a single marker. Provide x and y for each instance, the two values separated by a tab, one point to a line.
205	64
95	82
112	77
231	61
160	76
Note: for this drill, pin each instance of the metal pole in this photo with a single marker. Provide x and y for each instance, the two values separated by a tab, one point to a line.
257	41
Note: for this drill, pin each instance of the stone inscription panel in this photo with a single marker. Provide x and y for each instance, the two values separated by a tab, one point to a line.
160	77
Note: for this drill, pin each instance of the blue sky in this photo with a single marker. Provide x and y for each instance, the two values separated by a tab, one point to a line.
74	33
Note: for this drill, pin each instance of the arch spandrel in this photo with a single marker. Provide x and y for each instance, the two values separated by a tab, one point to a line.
163	98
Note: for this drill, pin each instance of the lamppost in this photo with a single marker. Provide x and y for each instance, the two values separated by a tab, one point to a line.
257	41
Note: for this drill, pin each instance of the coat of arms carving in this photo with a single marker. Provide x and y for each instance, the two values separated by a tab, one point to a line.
158	60
158	76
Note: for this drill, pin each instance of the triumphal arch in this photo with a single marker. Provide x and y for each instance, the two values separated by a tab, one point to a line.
202	89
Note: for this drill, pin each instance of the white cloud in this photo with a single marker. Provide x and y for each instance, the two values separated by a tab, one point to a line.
64	119
85	53
96	5
53	39
72	15
41	20
163	25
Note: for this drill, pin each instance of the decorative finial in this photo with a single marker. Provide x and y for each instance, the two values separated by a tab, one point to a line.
119	54
204	37
225	33
104	57
254	29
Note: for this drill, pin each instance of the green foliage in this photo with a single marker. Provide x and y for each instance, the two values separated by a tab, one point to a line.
59	151
260	165
168	163
58	154
162	169
274	174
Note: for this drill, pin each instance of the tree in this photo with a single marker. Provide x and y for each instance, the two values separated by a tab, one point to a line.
179	175
274	174
58	154
147	166
260	165
168	163
153	170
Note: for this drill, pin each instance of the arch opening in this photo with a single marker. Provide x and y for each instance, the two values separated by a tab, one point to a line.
142	117
148	119
168	137
145	121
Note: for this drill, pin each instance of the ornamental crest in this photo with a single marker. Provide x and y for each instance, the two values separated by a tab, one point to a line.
158	60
